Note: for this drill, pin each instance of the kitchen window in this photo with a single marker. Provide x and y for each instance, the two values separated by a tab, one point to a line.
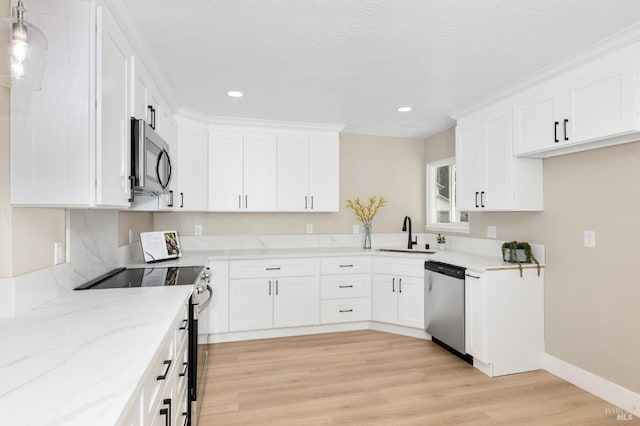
441	198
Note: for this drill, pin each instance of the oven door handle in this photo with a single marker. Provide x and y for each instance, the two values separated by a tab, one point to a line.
201	288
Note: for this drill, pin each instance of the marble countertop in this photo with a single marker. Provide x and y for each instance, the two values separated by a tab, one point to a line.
78	359
473	261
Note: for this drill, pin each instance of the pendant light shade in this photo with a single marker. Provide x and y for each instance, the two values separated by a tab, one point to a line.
23	50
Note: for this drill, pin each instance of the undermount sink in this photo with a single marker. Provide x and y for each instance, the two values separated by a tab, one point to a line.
408	251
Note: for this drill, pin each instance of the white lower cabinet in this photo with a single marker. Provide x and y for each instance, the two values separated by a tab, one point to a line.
162	395
262	295
345	289
504	320
398	291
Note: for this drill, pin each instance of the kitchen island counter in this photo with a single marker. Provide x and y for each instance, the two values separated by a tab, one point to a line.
79	359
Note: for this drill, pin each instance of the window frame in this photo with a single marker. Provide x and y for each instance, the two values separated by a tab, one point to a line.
431	225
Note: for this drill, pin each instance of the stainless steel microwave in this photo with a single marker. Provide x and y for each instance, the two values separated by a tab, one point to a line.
150	160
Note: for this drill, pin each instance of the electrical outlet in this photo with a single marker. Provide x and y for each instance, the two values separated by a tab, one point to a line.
590	239
58	253
355	229
309	228
197	230
492	232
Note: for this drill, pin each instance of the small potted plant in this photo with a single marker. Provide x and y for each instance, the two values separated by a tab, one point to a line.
518	252
442	241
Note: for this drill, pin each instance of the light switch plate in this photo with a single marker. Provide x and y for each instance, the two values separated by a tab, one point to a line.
590	239
197	230
492	232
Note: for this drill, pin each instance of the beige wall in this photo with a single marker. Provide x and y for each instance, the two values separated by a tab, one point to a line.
369	165
137	222
591	295
26	234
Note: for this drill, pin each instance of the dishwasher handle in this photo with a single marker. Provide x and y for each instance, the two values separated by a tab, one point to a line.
445	269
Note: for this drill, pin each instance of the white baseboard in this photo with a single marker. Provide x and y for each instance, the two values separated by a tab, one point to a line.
623	398
316	329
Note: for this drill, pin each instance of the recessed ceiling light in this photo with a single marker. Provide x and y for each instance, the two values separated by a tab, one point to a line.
235	94
404	109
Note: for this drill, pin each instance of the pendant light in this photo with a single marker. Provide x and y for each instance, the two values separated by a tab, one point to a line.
23	48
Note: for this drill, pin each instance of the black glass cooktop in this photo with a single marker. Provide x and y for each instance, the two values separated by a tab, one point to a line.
146	277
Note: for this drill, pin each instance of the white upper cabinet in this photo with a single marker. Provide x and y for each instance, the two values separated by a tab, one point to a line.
308	172
51	132
225	177
193	165
70	142
488	176
293	175
113	153
242	171
590	106
147	102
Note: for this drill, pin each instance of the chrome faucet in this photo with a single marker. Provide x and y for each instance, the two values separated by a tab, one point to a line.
411	242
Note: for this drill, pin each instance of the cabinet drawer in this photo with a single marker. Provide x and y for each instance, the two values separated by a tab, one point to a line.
345	265
345	286
345	310
182	326
266	268
402	266
161	366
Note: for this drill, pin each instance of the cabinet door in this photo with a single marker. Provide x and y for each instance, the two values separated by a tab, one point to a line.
599	97
113	166
537	119
259	183
50	132
293	176
141	89
384	299
470	165
498	158
295	302
225	178
324	173
411	302
193	166
474	317
250	304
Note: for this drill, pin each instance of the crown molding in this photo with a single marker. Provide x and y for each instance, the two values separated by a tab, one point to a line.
235	122
612	43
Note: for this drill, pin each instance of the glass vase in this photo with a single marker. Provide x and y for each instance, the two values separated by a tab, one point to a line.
366	244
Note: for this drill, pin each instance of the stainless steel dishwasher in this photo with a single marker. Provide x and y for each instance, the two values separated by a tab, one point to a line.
444	306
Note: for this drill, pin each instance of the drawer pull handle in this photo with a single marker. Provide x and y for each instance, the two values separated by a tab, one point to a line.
185	322
166	411
346	286
273	269
164	376
345	310
184	372
346	266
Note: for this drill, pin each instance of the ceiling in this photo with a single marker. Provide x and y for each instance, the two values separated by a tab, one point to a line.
355	62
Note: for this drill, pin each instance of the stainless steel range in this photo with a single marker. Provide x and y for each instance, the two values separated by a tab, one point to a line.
197	276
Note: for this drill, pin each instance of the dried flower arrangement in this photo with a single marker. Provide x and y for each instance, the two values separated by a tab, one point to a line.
365	214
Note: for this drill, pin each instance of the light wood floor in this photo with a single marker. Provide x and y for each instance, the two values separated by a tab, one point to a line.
369	377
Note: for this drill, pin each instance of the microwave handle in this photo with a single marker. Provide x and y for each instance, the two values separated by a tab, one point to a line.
164	153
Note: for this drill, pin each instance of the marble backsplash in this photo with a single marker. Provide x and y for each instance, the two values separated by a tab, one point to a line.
92	251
